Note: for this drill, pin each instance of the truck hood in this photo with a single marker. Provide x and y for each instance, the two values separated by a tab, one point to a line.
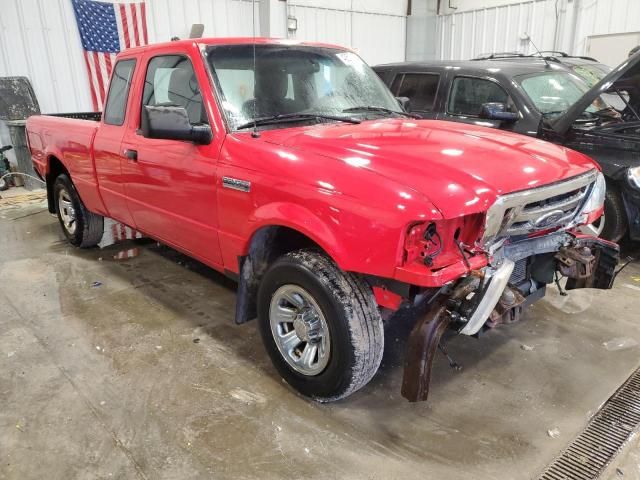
625	76
460	168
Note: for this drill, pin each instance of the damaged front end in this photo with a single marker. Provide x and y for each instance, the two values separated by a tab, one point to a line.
529	242
498	294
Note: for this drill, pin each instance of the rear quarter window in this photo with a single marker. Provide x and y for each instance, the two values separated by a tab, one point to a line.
116	106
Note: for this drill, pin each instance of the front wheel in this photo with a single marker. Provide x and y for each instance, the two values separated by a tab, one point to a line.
320	326
81	227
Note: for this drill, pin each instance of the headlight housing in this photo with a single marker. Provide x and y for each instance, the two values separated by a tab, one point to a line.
595	202
633	176
437	244
594	206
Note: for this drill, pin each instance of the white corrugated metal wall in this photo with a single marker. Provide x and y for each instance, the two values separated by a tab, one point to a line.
553	25
39	38
375	28
601	17
464	35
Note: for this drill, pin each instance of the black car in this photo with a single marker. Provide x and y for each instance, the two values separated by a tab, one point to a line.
587	68
545	99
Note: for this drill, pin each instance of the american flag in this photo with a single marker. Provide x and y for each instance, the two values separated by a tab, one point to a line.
106	29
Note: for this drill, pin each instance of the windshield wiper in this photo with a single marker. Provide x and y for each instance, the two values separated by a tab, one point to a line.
373	108
294	117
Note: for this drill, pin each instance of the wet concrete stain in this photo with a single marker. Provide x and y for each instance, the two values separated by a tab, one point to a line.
146	376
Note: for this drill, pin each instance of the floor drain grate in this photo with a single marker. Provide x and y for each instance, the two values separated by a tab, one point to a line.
608	430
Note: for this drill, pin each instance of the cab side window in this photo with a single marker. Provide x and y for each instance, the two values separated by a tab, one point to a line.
171	81
420	88
469	94
116	106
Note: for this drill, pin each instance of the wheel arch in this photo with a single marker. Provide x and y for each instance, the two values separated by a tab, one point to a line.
55	168
299	220
268	241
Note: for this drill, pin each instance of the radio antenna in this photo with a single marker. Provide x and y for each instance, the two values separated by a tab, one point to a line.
255	133
538	51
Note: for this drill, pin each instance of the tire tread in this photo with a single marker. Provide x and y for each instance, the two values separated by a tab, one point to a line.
365	322
615	220
93	229
92	223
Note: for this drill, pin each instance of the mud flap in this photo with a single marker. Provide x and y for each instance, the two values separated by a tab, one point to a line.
422	347
594	263
252	269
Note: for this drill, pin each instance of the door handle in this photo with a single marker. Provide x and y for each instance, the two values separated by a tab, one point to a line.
131	155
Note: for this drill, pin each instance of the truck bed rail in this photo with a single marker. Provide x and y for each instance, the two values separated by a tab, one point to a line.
94	116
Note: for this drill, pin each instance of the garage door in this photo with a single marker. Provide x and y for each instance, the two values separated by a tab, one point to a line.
612	49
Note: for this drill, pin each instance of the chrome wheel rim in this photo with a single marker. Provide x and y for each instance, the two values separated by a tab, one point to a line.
594	228
67	212
300	330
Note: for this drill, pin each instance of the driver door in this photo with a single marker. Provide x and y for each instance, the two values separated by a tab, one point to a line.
170	185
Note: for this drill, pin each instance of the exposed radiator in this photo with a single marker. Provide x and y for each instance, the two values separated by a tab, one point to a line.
519	272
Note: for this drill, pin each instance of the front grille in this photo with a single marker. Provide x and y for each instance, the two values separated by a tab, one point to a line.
537	209
564	207
519	273
607	432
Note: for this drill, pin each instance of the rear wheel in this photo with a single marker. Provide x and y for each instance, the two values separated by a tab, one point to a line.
81	227
320	325
4	184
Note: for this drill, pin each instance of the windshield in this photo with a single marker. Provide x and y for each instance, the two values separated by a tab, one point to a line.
591	73
553	93
289	80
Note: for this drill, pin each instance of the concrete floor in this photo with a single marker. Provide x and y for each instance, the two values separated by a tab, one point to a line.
146	376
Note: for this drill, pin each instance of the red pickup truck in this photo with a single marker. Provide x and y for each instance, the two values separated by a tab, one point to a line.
291	167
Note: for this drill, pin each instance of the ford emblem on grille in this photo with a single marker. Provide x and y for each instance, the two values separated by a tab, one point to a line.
548	219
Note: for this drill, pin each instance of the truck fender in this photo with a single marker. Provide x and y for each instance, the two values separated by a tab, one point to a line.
275	233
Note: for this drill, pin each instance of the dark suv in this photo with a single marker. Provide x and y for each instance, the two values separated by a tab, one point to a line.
546	99
587	68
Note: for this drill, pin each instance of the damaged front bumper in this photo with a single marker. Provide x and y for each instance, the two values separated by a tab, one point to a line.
496	280
486	296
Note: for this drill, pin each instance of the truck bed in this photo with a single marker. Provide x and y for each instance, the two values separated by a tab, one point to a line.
68	138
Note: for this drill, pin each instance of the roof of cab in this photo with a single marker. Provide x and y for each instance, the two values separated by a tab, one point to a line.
232	41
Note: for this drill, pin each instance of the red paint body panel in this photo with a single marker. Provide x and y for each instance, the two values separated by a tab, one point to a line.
353	189
462	168
386	299
108	156
171	189
70	141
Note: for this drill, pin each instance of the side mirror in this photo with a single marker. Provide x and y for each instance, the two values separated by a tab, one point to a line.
405	103
172	123
5	148
498	111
